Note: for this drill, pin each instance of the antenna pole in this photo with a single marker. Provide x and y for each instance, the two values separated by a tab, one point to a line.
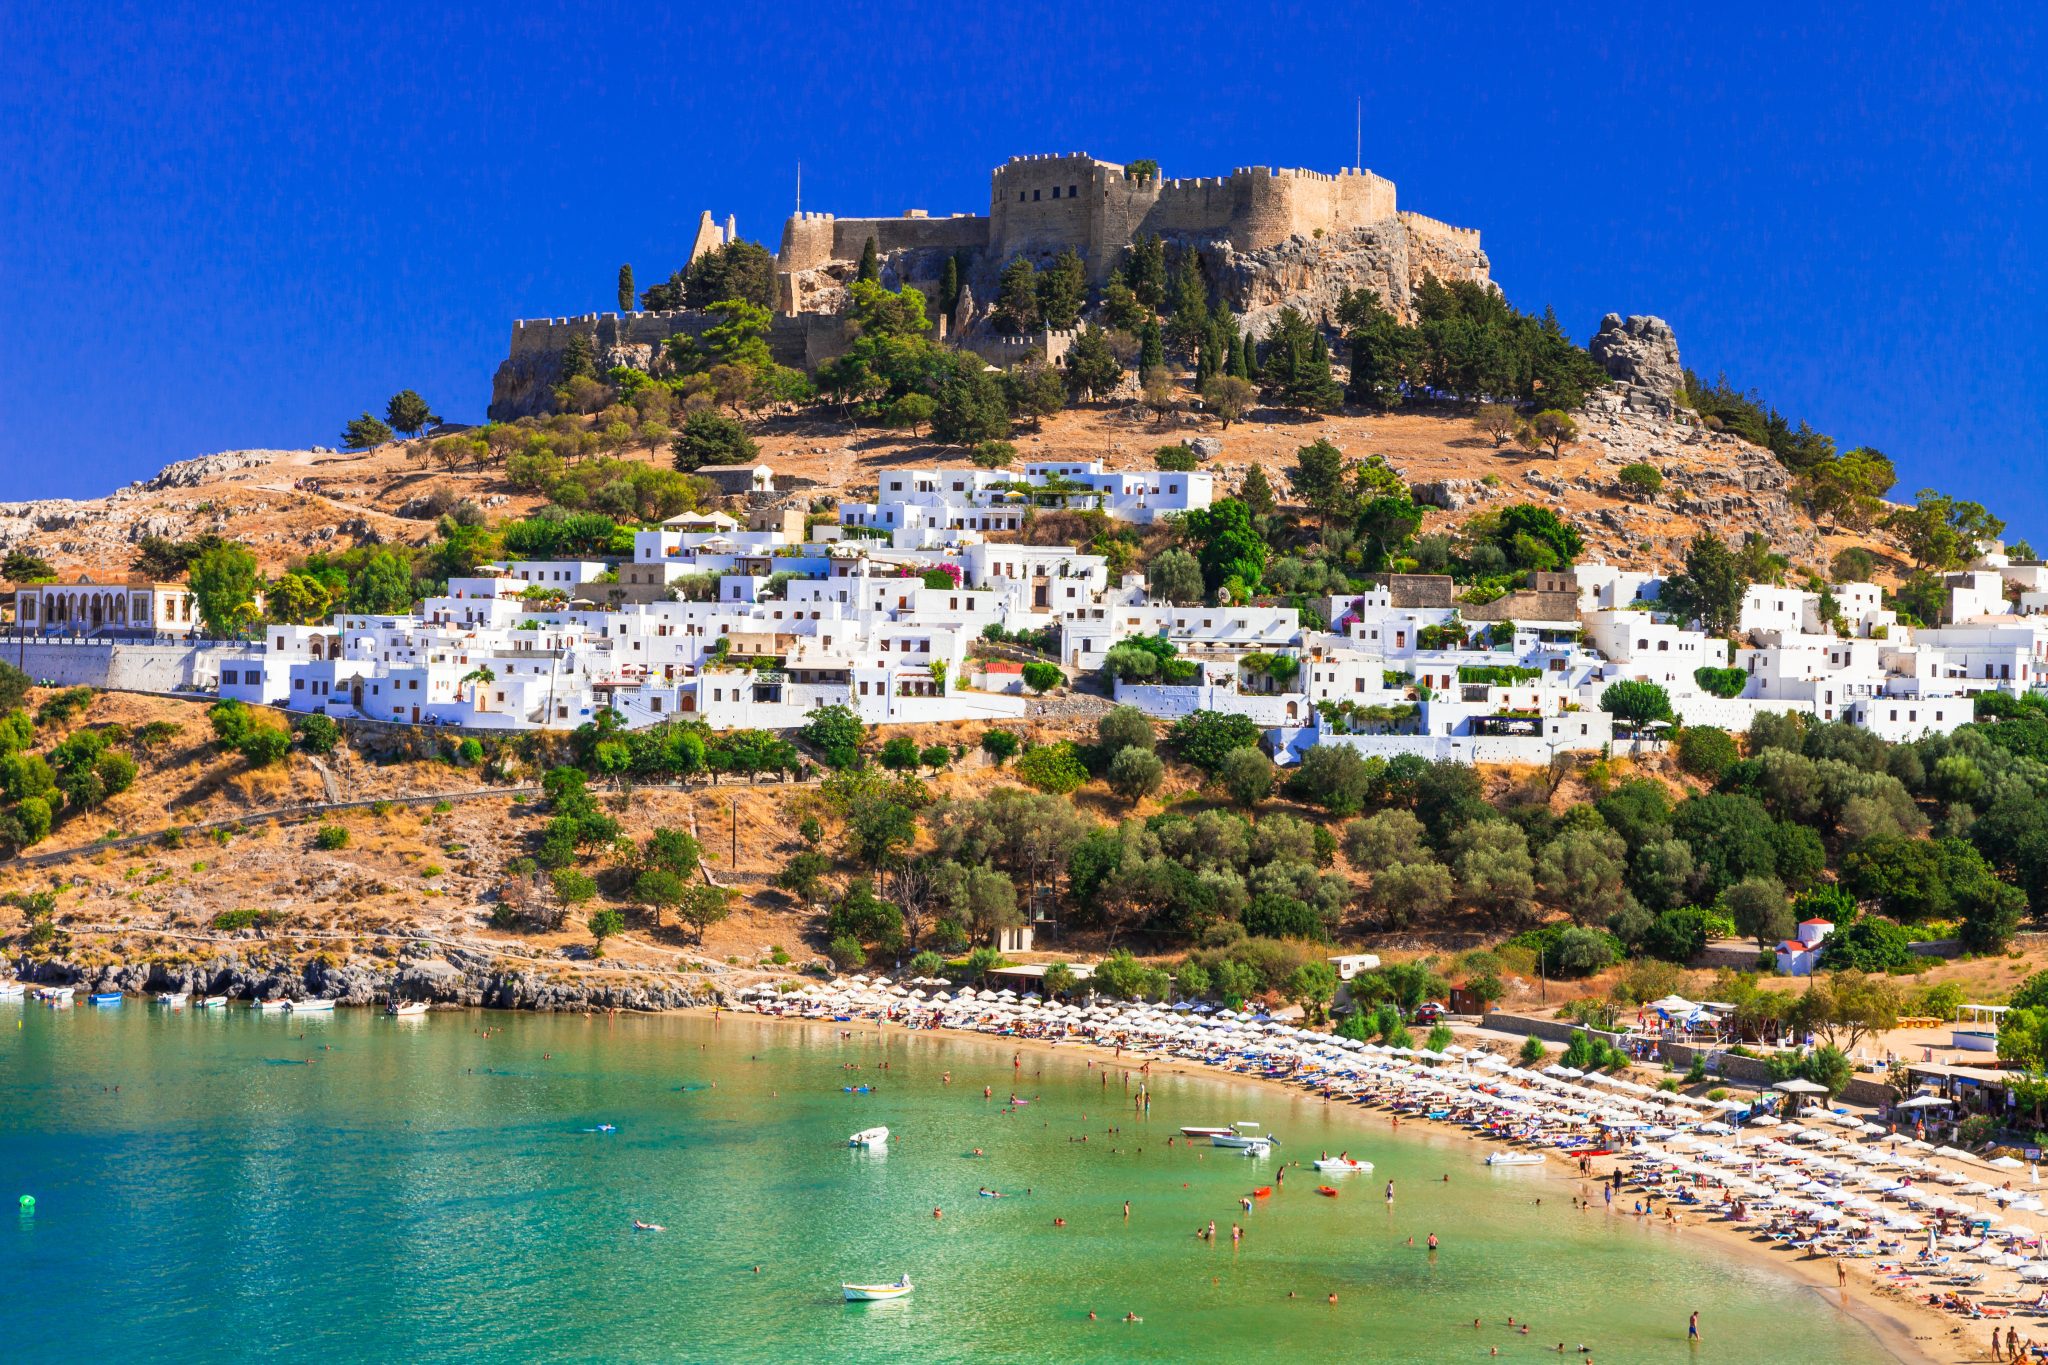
799	188
1358	154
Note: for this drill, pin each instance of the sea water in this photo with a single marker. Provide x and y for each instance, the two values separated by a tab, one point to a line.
217	1183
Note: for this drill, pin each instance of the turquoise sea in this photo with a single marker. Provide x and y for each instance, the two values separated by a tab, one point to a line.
217	1184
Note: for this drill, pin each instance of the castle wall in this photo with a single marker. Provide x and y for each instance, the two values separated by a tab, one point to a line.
1039	205
819	239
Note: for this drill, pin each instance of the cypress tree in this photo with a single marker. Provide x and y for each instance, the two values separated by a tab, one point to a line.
1248	359
1150	350
1233	363
870	263
949	287
626	288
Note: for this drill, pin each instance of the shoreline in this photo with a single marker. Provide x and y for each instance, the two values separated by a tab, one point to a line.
1910	1332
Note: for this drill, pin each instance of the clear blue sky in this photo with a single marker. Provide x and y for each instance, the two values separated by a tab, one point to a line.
228	226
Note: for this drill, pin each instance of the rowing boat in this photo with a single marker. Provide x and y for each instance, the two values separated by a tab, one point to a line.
872	1293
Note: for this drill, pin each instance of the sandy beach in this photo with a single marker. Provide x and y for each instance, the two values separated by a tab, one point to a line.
1902	1323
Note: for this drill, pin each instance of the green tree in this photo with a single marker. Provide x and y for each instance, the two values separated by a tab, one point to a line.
1174	576
711	438
409	413
626	294
1093	369
1204	738
1016	309
703	906
604	924
971	405
1637	703
1294	368
1043	677
1760	909
870	268
1248	777
364	432
24	566
737	270
1318	478
1062	291
1135	773
1709	588
1000	745
1312	985
1941	532
1230	398
1230	548
571	887
837	732
1554	429
223	581
1054	768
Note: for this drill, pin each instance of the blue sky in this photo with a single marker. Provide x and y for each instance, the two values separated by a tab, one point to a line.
227	226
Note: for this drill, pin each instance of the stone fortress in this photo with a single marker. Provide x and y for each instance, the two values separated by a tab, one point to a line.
1267	238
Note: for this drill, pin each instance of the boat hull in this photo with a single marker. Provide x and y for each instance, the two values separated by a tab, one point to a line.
874	1293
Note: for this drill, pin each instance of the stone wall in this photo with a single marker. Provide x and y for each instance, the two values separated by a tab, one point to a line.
122	666
526	379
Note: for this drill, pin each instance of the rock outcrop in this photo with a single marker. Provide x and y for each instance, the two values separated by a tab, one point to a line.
1312	273
192	473
1640	354
456	977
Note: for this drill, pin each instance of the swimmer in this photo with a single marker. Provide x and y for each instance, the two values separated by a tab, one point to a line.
1432	1247
935	1214
1091	1318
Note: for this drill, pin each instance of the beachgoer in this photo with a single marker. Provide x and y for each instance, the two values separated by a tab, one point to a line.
1692	1328
1432	1247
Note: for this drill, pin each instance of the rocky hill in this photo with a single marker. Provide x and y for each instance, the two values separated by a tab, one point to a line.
285	503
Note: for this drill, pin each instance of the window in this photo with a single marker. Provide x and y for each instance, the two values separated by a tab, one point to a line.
1073	191
1034	196
1055	191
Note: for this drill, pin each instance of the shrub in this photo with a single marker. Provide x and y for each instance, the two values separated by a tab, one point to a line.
711	438
846	952
330	837
1705	752
1202	738
318	734
606	923
243	918
1135	773
1055	768
1533	1050
263	747
1721	682
1043	677
1000	745
1641	478
899	753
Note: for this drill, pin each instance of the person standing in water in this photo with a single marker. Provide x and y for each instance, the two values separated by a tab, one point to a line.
1692	1328
1390	1192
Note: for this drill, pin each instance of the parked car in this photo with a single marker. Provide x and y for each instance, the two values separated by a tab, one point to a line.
1428	1012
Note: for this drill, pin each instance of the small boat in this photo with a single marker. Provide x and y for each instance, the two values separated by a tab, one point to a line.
1327	1191
1342	1165
312	1006
869	1137
173	999
107	997
275	1005
871	1293
1514	1159
1241	1135
1259	1149
214	1002
11	990
405	1009
56	995
1195	1132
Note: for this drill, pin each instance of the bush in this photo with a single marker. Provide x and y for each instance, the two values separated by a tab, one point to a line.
846	952
1055	768
1871	944
1641	478
1135	773
318	734
1043	677
1000	745
1533	1050
711	438
836	732
330	837
1705	752
243	918
1721	682
899	753
263	747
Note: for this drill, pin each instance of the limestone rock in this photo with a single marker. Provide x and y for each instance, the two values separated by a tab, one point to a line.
1205	447
1641	354
192	473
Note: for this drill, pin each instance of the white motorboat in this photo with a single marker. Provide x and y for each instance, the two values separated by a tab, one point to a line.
1258	1147
1241	1135
173	999
56	995
1342	1165
1195	1132
274	1006
406	1009
1514	1159
869	1137
214	1002
315	1005
871	1293
11	990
